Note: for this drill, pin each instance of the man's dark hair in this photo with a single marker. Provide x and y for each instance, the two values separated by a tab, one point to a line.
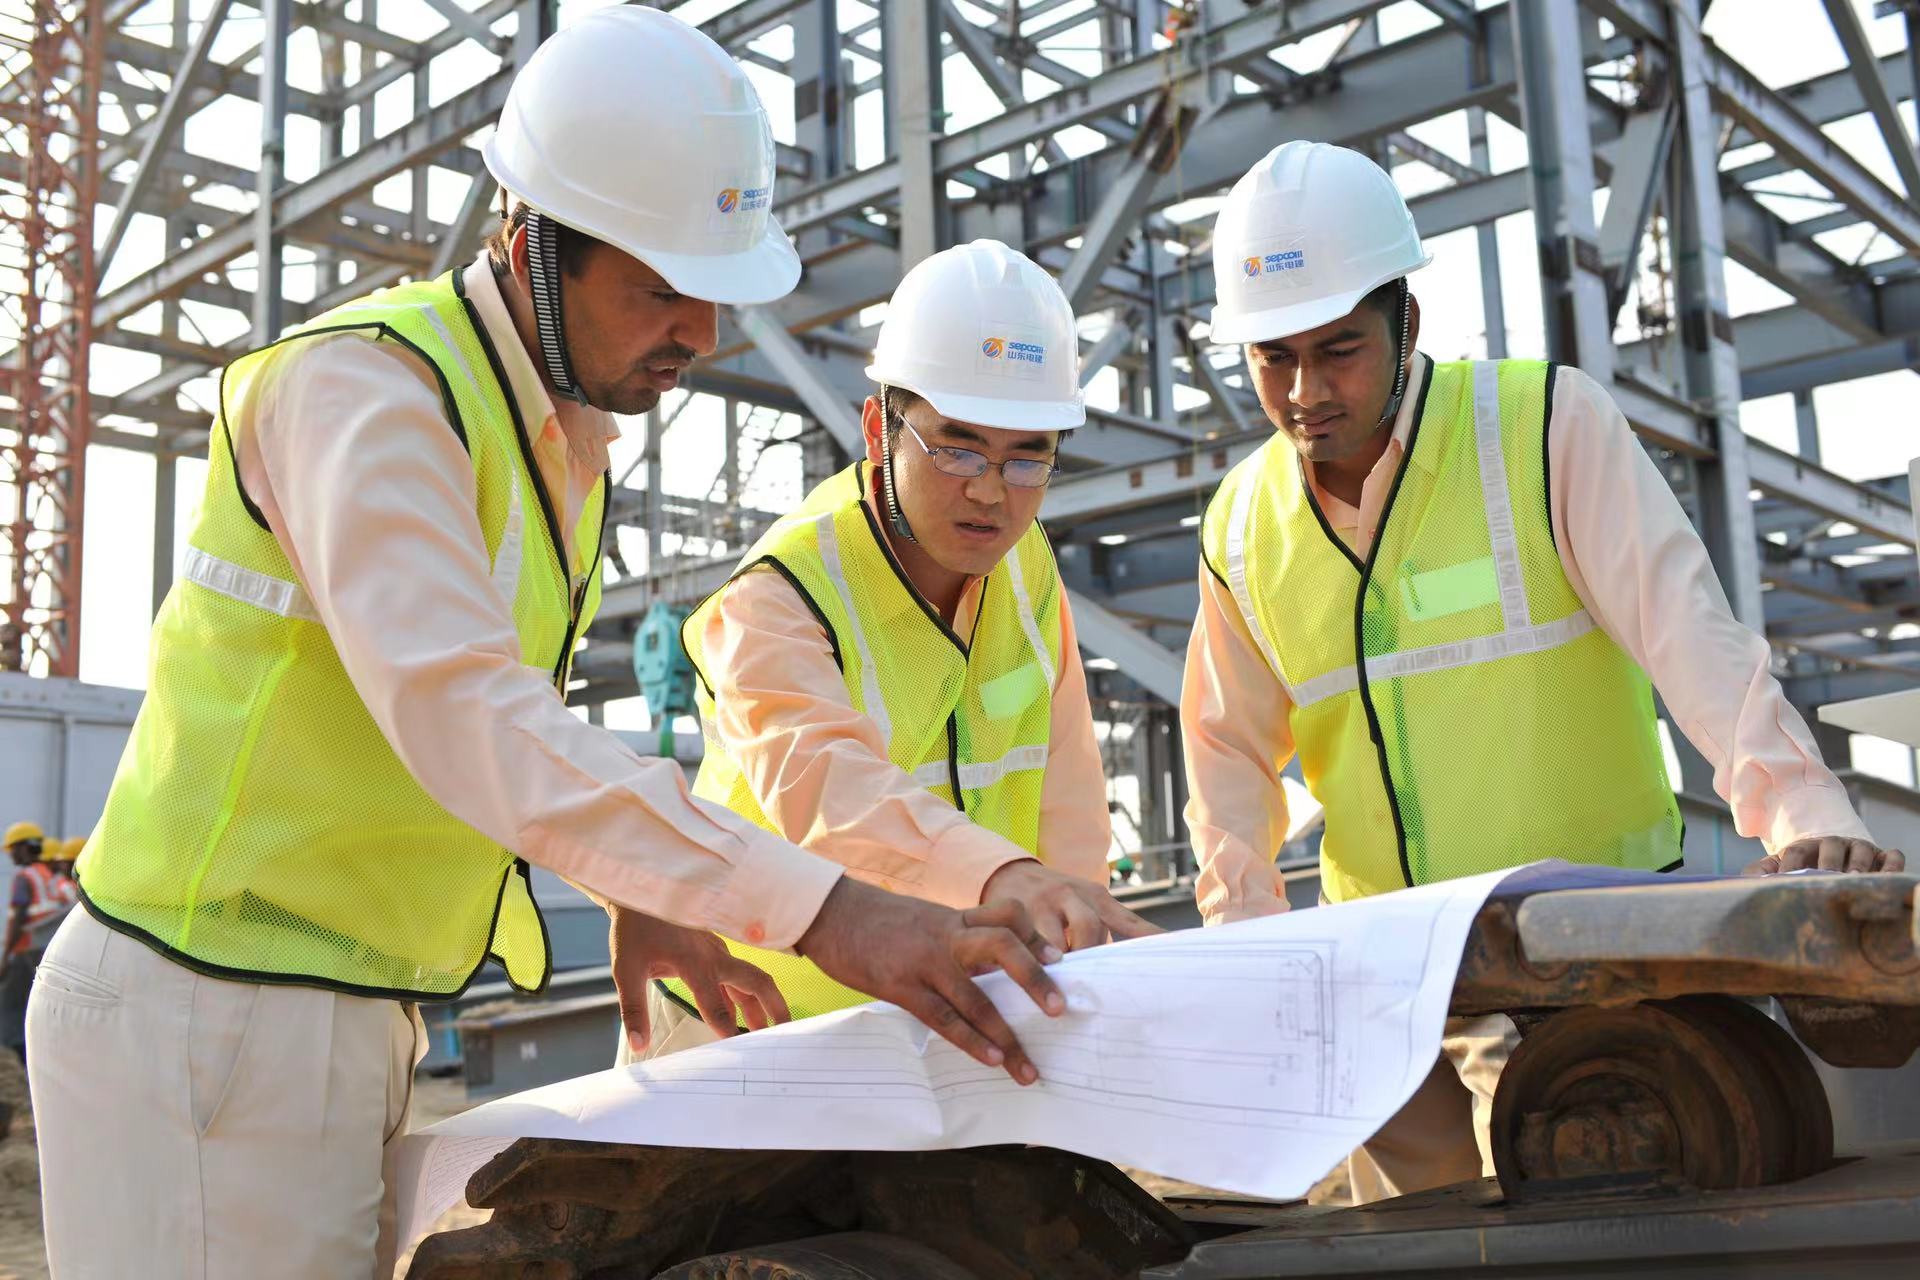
1386	300
574	245
894	403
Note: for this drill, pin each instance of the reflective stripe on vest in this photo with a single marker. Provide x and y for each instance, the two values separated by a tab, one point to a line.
1517	695
260	825
977	717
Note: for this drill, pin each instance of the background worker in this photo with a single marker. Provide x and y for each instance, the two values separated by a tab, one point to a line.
396	551
69	854
890	678
35	906
1513	566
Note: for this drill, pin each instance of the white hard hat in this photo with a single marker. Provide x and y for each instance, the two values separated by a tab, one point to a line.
985	336
640	131
1303	236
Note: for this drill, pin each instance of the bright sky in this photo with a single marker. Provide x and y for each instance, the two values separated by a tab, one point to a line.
1869	428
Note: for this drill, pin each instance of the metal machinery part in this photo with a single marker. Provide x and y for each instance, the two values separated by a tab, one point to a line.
569	1211
1706	1091
1647	1123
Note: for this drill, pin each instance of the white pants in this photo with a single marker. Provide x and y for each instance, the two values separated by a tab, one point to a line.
196	1128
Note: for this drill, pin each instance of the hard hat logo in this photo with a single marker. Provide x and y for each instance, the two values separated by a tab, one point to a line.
992	348
1277	268
729	200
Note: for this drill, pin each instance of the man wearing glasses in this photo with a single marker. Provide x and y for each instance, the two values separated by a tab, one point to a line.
890	678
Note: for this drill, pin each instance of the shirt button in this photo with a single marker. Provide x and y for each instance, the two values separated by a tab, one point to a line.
756	934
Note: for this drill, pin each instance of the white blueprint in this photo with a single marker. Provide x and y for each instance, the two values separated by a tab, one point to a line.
1251	1057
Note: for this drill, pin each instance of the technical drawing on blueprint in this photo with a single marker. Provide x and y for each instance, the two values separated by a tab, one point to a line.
1251	1056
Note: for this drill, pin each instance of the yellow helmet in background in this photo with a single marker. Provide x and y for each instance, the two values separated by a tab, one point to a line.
74	845
22	831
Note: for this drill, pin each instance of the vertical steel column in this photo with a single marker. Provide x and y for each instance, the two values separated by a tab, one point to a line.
1706	327
816	87
267	240
166	470
912	53
166	477
422	104
1493	304
1553	83
1808	422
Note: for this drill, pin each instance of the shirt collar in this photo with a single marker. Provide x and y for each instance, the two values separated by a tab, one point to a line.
584	427
1403	421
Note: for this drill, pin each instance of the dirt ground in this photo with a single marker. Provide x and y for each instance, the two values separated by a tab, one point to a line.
23	1256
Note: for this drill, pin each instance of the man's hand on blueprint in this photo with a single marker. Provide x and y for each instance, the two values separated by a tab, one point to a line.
921	956
645	949
1070	913
1829	853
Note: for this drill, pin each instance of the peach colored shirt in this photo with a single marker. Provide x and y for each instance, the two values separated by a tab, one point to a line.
1639	568
820	769
351	460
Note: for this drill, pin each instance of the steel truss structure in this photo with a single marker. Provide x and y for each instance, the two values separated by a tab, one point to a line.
1116	120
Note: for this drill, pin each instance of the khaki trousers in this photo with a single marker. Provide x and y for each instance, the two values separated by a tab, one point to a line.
670	1029
1440	1136
196	1128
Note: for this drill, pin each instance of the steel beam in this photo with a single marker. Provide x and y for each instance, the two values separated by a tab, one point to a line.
267	239
160	131
1174	117
1640	164
1775	121
1118	338
476	217
1873	89
976	45
421	138
1712	361
1146	661
912	49
1208	379
1553	84
464	22
825	403
1112	91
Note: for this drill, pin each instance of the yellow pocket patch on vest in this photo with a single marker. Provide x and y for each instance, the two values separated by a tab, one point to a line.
1012	693
1440	593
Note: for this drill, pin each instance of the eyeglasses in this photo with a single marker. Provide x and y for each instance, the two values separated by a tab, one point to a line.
1021	473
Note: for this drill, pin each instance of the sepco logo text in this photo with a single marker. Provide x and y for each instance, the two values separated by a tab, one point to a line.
741	199
1273	263
1015	352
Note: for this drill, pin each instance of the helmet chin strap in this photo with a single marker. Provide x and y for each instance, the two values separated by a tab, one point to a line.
895	516
543	271
1399	395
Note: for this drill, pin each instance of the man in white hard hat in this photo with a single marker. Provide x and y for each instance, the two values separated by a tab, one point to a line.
397	550
1445	586
890	677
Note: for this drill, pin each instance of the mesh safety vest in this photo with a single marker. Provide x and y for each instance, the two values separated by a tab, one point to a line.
259	825
47	905
970	720
1455	707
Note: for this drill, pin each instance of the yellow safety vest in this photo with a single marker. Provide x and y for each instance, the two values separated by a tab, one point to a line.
260	827
968	719
1487	721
